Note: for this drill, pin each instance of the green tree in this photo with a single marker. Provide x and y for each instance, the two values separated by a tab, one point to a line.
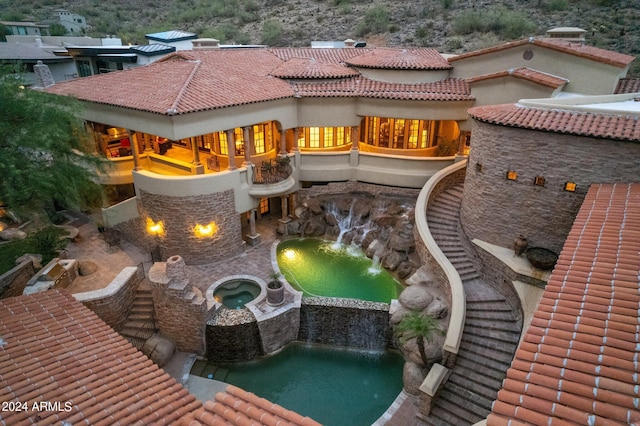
57	29
47	160
418	326
375	21
272	32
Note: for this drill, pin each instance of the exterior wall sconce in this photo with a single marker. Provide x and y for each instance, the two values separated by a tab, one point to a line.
155	228
479	168
538	181
512	175
203	231
570	186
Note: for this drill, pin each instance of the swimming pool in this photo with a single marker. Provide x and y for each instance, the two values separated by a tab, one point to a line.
334	386
325	268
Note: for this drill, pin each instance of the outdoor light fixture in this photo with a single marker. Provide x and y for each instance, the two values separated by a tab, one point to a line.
205	230
570	186
155	228
512	175
538	181
479	167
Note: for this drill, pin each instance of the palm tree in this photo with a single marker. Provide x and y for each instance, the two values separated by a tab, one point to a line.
420	326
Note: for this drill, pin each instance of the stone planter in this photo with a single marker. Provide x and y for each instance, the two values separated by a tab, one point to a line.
275	293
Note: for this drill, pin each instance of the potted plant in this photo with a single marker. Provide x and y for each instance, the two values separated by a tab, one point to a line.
275	289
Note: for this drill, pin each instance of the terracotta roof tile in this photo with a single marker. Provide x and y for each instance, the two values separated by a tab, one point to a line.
578	362
628	85
601	125
401	59
311	68
449	90
525	74
329	56
78	359
238	407
569	47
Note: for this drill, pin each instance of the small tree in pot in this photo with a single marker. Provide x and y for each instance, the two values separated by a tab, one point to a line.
275	289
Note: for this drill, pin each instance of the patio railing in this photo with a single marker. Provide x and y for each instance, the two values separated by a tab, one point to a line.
272	171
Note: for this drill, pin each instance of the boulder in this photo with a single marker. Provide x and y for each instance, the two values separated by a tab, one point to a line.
293	227
392	260
432	349
331	219
402	238
314	205
87	267
12	234
159	349
421	276
412	378
405	269
416	297
302	213
36	259
437	308
281	229
315	227
400	313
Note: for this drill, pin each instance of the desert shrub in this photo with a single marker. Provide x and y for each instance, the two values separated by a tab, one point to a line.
340	2
272	32
557	5
447	3
506	23
454	43
375	21
422	32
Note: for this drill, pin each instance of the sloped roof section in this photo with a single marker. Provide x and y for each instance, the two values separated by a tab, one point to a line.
528	74
445	90
578	362
570	47
311	68
191	81
54	349
601	125
401	59
235	406
628	85
332	55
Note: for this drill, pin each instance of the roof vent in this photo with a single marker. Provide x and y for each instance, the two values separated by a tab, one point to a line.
205	43
349	43
567	33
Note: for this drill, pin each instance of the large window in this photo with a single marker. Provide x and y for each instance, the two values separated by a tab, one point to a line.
400	133
323	137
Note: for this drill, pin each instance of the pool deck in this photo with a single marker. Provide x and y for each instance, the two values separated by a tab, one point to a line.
255	260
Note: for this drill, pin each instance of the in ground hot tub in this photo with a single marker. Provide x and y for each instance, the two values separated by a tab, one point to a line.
235	291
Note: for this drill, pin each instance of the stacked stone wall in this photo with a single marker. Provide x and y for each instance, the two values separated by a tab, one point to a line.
278	330
180	215
233	343
345	322
134	231
497	210
13	282
113	303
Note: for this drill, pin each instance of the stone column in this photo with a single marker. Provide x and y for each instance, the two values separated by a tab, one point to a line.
195	152
253	238
231	149
248	146
354	137
284	203
134	149
295	139
292	202
283	143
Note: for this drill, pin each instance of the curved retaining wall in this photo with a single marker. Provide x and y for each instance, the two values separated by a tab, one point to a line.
430	253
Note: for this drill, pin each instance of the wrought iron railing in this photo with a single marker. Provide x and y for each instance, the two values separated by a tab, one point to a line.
272	171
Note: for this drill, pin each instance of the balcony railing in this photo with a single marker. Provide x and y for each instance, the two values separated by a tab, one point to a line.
272	171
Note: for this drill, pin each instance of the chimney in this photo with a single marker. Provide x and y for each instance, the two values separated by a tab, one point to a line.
44	78
205	43
349	43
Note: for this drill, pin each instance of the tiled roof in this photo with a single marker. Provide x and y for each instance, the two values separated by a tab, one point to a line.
578	363
55	350
333	55
601	125
628	85
525	74
570	47
190	81
311	68
235	406
445	90
401	59
30	53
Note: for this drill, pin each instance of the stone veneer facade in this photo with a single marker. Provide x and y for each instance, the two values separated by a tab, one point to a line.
13	282
180	216
497	210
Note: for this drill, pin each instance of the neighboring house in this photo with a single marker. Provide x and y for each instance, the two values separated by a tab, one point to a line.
74	23
26	28
28	55
92	60
180	40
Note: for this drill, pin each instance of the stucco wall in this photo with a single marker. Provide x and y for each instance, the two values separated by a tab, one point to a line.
497	210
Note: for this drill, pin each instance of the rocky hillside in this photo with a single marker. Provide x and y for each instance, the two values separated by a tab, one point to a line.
451	26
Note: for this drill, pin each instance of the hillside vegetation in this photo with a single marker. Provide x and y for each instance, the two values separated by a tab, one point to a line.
450	26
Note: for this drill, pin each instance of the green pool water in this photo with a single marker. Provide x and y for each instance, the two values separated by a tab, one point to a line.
334	386
324	268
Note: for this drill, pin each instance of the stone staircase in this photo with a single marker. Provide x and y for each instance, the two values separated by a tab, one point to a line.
491	332
141	322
